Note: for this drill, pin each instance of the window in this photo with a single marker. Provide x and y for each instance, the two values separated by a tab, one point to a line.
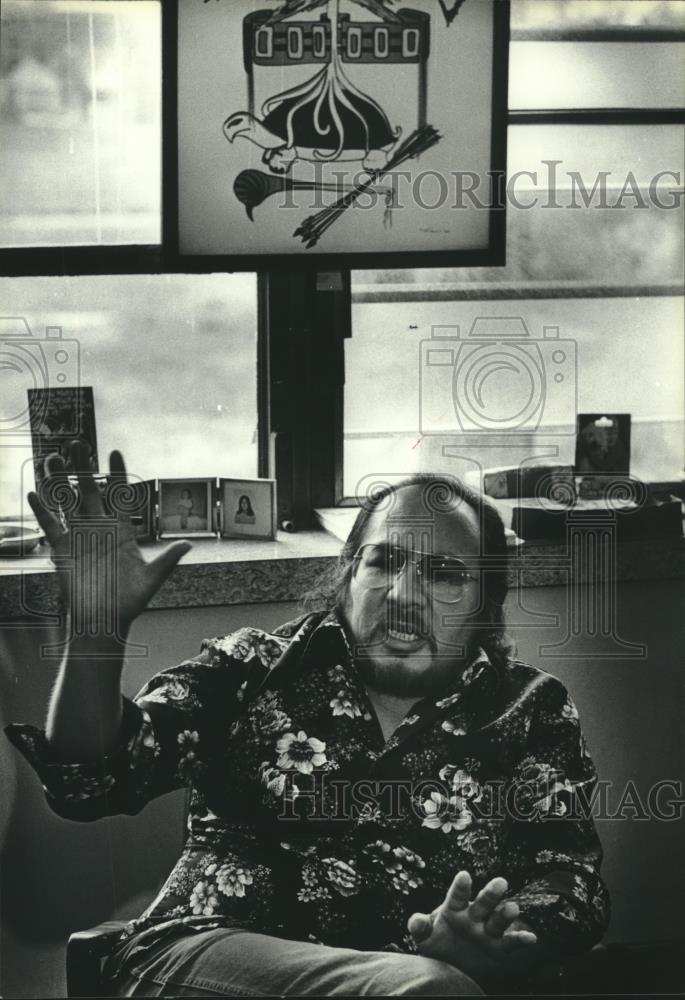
172	363
594	250
80	123
635	59
594	19
594	247
563	74
587	207
630	358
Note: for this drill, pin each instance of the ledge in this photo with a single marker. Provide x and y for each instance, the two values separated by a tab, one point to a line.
220	572
214	572
548	564
542	564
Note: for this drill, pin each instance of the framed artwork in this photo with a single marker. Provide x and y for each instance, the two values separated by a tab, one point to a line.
248	508
186	507
360	133
57	417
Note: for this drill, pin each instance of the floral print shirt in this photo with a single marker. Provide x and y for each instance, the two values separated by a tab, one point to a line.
305	823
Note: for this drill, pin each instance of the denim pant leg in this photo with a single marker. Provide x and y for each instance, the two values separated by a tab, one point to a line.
233	962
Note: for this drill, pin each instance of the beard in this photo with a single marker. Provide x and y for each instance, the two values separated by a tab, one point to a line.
405	677
422	673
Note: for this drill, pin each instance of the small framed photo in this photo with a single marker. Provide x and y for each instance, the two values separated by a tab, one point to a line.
135	499
602	444
139	504
59	416
248	508
186	507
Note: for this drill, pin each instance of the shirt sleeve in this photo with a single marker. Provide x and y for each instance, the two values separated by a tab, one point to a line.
552	854
171	731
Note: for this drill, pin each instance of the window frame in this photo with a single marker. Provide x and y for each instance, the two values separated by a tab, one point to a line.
571	116
303	312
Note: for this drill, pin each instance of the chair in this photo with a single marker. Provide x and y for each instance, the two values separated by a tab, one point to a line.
86	952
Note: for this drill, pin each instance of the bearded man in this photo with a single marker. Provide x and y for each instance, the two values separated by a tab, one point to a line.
384	801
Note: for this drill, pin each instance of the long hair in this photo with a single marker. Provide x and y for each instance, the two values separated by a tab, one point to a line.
442	493
249	510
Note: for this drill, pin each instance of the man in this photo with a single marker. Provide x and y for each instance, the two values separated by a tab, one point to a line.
384	802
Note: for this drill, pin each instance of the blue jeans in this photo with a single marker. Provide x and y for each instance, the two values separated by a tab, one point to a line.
231	962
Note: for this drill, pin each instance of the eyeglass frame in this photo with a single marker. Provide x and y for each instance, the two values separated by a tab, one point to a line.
422	577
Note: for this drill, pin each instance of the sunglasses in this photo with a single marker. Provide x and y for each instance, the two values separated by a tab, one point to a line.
445	578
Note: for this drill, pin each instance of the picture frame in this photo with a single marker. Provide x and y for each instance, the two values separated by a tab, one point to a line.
57	416
141	509
187	507
247	508
135	499
602	444
249	176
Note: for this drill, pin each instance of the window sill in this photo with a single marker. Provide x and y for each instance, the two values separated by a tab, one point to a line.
220	572
214	572
543	563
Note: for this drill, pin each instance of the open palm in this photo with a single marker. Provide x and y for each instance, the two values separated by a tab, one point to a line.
104	579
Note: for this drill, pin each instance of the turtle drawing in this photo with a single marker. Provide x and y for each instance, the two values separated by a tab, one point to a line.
325	118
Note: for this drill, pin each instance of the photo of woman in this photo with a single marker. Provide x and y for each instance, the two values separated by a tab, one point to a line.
248	508
244	514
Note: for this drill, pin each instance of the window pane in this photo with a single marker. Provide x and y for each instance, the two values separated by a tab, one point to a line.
629	360
595	212
80	136
172	363
552	18
596	75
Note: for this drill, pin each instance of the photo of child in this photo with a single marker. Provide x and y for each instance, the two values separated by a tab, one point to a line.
185	506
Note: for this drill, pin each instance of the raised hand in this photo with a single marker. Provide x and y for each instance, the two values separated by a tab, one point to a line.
104	587
483	937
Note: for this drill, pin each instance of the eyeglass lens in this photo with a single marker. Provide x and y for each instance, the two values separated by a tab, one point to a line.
445	577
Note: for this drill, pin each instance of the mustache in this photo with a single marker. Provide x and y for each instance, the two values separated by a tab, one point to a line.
408	618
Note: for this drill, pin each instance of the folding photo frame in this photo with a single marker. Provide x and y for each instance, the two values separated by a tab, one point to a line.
135	499
187	507
141	509
347	131
247	508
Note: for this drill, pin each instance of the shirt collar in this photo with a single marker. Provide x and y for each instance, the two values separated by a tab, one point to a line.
473	686
322	640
